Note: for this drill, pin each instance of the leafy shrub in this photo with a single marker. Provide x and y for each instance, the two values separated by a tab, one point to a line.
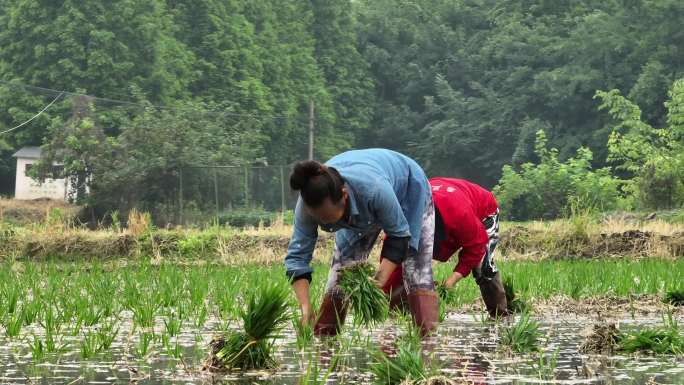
246	217
544	190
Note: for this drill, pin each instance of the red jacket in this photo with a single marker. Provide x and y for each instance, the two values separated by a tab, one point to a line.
463	206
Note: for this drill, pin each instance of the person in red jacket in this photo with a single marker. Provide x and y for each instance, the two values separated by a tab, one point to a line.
467	222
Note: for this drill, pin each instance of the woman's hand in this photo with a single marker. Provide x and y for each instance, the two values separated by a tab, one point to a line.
386	269
452	280
301	289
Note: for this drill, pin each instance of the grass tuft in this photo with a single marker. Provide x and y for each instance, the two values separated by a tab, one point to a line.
368	302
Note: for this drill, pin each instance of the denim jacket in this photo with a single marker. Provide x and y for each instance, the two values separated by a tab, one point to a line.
387	191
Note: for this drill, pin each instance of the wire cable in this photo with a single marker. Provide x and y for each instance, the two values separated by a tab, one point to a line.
34	116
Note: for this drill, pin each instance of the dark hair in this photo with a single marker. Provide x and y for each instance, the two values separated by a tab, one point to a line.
315	182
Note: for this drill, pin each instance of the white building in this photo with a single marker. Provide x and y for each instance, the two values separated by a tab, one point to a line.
28	188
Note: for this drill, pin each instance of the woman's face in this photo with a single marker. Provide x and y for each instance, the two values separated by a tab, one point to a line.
330	212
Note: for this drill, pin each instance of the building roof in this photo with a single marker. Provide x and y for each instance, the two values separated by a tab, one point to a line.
28	152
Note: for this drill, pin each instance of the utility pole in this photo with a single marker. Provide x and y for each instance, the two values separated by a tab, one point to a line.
311	129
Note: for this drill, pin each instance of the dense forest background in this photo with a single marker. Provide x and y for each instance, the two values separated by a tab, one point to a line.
464	86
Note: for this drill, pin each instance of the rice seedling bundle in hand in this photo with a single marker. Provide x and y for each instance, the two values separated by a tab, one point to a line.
264	317
368	302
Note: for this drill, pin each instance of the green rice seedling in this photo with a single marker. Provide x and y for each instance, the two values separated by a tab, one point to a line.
667	339
11	294
523	336
305	334
546	366
172	325
407	367
37	349
314	374
264	316
51	322
174	349
675	297
90	345
31	311
144	310
367	301
142	348
201	316
106	334
515	303
13	324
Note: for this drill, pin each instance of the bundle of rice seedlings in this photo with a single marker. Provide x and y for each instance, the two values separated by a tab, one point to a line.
407	367
263	318
675	297
515	304
368	302
523	336
667	339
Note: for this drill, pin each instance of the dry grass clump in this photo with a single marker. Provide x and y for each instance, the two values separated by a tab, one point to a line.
603	339
368	302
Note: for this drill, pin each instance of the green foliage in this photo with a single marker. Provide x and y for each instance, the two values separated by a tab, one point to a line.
546	189
367	301
652	157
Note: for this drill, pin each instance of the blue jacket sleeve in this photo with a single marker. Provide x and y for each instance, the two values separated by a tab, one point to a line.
302	244
389	213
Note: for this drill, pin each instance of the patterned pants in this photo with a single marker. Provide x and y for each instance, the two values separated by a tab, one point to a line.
487	270
417	267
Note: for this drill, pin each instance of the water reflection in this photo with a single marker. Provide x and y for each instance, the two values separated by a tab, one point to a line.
465	348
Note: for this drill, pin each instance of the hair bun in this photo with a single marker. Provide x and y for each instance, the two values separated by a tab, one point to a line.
303	172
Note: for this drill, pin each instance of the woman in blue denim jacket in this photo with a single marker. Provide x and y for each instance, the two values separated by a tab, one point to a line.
357	194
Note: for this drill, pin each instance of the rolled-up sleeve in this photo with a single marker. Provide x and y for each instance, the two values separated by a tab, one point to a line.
302	245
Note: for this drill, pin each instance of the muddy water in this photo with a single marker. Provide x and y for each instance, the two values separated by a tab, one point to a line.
466	348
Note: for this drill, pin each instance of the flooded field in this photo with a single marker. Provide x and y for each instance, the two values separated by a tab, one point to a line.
465	347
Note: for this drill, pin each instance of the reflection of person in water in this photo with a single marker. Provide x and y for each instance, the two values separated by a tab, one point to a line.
467	222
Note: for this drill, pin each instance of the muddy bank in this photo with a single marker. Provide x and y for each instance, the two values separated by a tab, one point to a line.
525	242
599	307
227	247
538	240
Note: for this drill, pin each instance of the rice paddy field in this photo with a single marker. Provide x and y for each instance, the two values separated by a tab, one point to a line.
146	321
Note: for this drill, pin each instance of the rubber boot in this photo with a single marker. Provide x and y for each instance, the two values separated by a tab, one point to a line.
398	298
330	316
494	296
424	305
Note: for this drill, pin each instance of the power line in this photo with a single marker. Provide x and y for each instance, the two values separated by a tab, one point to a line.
139	105
34	116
